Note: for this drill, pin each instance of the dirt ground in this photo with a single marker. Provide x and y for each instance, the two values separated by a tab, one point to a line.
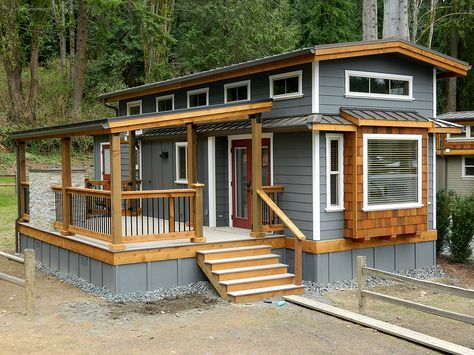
69	320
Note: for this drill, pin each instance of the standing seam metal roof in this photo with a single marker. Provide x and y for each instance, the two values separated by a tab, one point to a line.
457	116
387	115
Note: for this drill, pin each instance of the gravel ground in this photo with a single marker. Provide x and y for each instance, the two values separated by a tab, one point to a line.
312	289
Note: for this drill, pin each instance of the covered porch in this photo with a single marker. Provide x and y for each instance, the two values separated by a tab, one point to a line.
118	215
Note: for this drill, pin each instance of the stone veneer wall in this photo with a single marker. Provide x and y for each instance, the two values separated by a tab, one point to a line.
42	209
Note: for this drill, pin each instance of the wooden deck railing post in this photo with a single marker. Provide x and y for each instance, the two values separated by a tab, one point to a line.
298	261
198	217
191	137
30	272
66	182
21	177
132	169
115	189
257	226
361	264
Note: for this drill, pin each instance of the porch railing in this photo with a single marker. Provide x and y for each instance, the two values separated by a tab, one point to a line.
299	236
270	220
148	215
127	185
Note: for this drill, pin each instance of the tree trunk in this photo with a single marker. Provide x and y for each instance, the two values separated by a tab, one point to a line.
451	101
80	61
33	94
369	20
390	18
414	27
72	45
11	58
403	29
59	17
432	21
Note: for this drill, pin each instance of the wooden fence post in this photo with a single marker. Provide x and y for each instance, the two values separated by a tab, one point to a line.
30	270
361	264
198	215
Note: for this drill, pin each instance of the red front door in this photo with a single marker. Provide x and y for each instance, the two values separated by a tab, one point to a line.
241	180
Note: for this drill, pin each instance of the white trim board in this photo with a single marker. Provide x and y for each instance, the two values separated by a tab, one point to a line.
316	185
235	85
198	91
133	104
178	145
298	74
211	180
229	164
101	159
164	97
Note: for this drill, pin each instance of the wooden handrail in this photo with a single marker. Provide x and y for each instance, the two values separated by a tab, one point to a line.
83	191
283	217
273	188
128	195
24	183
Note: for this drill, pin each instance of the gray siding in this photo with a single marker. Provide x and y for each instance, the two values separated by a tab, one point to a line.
454	179
259	87
332	83
440	173
222	182
159	173
332	223
292	168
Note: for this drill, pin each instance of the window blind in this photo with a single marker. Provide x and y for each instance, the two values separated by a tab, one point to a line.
392	171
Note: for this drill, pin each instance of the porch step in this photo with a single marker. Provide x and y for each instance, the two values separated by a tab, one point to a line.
245	274
258	282
265	292
213	254
243	261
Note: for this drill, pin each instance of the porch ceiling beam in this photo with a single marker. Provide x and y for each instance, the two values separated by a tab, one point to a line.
445	130
333	127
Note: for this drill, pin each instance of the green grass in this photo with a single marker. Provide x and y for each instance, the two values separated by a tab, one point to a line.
8	214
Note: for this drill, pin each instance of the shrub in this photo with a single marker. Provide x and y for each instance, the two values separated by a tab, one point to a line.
462	229
444	206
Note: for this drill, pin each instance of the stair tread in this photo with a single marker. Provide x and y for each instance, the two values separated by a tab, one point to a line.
255	279
226	250
241	258
248	268
255	291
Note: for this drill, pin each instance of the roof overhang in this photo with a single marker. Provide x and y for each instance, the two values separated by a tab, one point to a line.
385	118
447	65
442	126
218	113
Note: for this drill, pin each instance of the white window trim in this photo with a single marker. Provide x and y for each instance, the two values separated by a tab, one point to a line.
177	146
467	134
393	206
298	74
133	104
165	97
198	91
234	85
366	74
463	171
340	206
102	158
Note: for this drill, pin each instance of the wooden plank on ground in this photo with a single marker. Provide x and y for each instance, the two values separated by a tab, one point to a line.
411	335
12	279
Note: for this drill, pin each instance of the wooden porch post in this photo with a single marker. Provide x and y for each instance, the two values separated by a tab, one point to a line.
198	220
21	177
115	188
66	181
257	227
191	159
132	160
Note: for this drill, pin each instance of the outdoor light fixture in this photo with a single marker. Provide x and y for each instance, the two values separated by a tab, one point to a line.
164	155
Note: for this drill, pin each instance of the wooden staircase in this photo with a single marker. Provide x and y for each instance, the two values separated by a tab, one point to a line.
247	273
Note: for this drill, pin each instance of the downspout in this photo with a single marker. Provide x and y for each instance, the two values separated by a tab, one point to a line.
112	107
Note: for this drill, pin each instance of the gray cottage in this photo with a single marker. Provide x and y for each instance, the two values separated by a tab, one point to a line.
257	175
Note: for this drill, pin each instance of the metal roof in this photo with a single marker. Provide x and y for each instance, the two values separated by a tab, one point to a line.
439	123
385	114
457	116
269	124
264	60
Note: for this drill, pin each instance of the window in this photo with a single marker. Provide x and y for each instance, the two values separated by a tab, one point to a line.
392	171
237	91
468	166
378	85
181	163
198	98
286	86
334	172
467	134
165	103
134	108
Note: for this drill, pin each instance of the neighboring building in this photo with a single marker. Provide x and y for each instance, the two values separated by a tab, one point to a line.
455	154
340	136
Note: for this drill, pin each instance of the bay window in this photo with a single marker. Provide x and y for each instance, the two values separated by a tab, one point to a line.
392	171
